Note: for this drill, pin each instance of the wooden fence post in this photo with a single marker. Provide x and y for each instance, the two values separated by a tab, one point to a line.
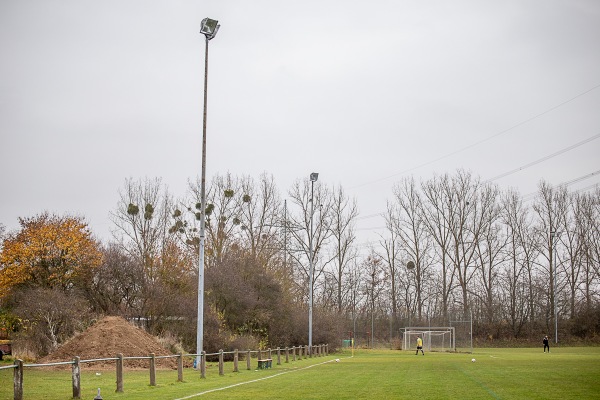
235	360
18	380
152	369
287	354
180	368
278	356
293	353
119	373
248	361
270	355
76	378
221	366
203	365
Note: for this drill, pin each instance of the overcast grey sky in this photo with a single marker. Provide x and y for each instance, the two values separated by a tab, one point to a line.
363	92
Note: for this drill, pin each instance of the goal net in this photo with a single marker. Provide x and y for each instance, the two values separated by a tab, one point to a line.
434	338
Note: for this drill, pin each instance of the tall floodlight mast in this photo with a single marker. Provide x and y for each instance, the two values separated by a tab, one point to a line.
209	28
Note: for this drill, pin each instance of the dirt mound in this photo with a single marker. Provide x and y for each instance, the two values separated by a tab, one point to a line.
109	337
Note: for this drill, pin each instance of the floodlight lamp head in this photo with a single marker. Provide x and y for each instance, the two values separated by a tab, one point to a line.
314	176
209	28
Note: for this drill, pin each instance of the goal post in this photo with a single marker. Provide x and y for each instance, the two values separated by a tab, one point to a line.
434	338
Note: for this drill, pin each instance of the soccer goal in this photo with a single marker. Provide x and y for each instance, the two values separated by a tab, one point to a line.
434	338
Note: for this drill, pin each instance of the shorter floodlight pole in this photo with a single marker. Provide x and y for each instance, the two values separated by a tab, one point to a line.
313	178
471	310
553	235
554	290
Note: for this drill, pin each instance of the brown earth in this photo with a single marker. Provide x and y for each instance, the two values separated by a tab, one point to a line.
109	337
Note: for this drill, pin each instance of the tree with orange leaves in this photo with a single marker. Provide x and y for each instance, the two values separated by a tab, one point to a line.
48	251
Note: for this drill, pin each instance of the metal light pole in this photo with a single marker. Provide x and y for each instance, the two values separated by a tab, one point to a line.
313	178
208	28
553	236
471	310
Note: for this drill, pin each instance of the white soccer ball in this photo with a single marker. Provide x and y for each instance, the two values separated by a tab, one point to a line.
472	360
337	360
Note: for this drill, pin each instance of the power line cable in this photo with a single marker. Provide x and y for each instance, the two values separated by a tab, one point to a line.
531	196
481	141
581	178
543	158
585	189
368	216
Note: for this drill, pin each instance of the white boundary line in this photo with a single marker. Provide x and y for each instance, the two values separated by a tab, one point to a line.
252	381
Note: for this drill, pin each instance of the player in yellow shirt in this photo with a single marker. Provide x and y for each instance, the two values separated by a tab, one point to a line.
419	345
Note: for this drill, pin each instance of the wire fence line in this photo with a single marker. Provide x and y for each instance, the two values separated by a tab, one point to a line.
264	358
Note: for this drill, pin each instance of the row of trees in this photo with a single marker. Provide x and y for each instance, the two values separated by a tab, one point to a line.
472	250
515	265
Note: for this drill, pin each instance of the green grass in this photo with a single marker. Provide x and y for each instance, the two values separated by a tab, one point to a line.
566	373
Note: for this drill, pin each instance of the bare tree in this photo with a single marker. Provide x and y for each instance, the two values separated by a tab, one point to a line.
437	216
374	284
589	229
222	216
116	287
574	238
142	221
307	230
473	211
518	271
343	215
550	210
490	258
391	254
259	216
489	246
355	295
409	225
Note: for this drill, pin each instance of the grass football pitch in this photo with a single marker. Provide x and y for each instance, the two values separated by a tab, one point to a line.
566	373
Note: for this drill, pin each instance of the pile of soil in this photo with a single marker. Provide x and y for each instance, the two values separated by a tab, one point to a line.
109	337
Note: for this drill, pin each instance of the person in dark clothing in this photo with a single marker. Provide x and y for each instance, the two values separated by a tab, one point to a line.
546	344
